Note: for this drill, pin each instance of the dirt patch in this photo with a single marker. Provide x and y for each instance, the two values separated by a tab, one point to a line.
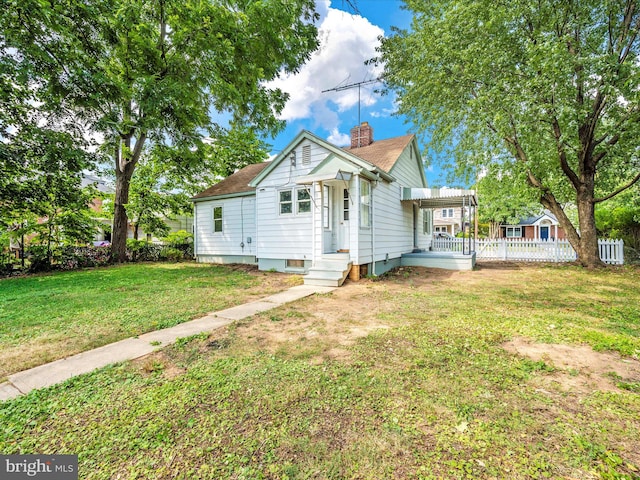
329	326
353	311
580	369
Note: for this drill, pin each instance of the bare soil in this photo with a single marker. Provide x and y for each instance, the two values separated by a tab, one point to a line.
579	369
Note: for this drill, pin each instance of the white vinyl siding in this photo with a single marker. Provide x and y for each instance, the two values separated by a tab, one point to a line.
238	224
407	171
287	236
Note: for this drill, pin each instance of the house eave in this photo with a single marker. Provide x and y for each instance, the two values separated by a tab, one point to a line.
359	162
223	196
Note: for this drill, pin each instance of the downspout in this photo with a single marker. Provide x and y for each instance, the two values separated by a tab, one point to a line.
373	228
195	231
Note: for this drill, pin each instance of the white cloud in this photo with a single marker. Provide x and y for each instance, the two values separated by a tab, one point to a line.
346	42
337	138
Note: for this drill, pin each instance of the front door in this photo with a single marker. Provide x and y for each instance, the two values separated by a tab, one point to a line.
544	233
344	212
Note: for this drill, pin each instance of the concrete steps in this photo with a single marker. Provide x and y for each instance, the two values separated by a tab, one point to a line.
329	271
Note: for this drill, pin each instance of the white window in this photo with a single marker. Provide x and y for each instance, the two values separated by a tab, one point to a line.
326	212
300	196
345	205
427	221
217	219
365	203
286	202
444	213
514	232
303	201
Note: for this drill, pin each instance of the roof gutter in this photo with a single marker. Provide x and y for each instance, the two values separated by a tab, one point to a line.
222	197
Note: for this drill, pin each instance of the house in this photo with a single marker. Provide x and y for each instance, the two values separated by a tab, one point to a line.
448	220
321	210
538	227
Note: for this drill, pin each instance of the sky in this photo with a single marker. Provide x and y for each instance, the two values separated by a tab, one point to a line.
347	39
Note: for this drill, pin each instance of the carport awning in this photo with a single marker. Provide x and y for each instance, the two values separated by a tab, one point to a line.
324	177
440	197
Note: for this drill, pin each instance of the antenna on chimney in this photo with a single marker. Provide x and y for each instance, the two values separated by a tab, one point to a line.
353	85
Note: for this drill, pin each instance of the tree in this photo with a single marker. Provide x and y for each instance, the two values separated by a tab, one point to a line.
152	199
620	218
553	85
162	73
41	189
503	199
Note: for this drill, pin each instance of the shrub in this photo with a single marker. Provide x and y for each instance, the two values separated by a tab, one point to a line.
171	253
178	239
39	259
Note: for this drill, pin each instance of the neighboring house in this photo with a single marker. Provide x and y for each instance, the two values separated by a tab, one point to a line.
320	209
447	220
540	227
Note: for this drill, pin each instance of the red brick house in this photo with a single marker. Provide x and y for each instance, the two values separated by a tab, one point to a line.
541	227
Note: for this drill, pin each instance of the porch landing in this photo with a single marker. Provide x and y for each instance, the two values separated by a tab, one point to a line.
446	260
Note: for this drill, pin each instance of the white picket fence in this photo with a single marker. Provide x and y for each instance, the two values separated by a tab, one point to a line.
522	249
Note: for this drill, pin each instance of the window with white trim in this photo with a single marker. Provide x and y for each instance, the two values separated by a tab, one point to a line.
303	198
365	203
513	232
326	211
286	202
427	221
217	219
345	205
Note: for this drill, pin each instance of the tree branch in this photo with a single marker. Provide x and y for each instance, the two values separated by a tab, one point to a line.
626	27
564	164
619	190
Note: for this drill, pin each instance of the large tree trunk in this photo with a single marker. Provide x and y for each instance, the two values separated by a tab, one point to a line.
120	220
587	250
585	243
125	160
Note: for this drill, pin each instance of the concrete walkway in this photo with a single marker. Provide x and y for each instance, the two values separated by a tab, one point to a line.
131	348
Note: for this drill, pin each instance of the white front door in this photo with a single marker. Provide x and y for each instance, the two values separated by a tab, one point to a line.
344	212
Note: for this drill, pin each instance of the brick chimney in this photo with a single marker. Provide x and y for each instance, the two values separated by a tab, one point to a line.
361	135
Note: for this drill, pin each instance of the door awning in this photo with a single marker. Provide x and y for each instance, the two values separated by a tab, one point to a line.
440	197
324	177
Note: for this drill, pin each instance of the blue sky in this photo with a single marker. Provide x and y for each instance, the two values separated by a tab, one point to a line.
347	40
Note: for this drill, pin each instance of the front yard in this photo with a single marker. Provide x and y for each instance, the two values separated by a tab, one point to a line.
47	317
513	372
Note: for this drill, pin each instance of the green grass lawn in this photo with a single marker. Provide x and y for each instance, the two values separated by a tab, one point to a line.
46	317
402	377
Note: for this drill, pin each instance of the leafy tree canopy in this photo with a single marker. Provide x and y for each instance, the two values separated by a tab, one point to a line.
138	73
41	190
551	85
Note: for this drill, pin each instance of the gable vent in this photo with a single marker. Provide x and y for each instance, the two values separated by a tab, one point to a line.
306	154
